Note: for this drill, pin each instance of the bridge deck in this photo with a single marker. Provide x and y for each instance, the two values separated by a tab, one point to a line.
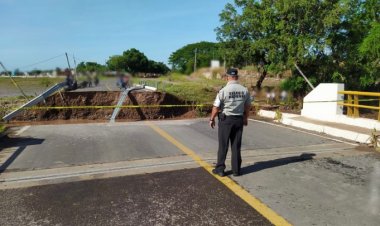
307	179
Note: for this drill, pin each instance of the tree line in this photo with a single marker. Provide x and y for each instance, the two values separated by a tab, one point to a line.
132	61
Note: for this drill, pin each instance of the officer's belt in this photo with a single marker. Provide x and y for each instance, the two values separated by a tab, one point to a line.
234	116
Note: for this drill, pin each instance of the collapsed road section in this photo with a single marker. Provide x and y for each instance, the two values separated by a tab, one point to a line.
93	101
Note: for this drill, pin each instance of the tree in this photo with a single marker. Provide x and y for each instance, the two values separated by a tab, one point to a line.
280	32
90	67
17	72
182	60
370	53
134	61
157	67
58	70
35	72
116	63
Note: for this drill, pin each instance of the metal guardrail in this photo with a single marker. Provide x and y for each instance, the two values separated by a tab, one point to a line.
35	100
353	105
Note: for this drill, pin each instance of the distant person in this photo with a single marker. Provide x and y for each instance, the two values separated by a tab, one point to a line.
232	105
126	81
272	97
283	95
120	82
89	80
267	95
71	83
253	94
96	80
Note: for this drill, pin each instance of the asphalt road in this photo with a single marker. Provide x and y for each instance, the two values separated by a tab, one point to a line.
305	178
49	146
183	197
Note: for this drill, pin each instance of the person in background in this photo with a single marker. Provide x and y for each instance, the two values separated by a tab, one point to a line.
284	94
272	97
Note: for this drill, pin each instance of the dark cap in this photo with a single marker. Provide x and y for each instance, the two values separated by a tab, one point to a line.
232	72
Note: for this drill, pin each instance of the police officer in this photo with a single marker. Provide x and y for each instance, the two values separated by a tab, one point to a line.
232	105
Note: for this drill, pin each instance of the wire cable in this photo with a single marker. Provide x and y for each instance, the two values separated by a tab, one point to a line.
42	61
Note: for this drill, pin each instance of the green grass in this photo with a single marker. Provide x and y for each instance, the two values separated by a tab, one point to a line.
6	81
175	77
195	90
8	103
200	91
2	128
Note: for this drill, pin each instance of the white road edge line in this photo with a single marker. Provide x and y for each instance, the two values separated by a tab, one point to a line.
23	129
91	172
286	127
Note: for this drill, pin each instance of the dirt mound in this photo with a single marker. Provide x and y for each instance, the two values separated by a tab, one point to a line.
105	98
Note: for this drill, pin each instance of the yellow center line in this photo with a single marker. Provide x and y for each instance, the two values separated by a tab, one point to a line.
254	202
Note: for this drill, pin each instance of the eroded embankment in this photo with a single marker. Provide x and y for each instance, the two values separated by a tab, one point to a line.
104	98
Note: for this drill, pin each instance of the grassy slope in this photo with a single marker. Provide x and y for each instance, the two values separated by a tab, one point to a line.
192	89
197	90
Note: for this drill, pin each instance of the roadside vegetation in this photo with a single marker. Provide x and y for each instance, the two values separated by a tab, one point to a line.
33	82
2	128
331	41
9	103
197	90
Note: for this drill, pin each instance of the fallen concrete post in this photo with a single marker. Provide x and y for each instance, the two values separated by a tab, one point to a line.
124	96
35	100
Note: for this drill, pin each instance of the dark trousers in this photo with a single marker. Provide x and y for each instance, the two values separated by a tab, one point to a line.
230	129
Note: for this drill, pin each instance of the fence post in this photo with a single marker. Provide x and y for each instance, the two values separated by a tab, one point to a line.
349	108
356	109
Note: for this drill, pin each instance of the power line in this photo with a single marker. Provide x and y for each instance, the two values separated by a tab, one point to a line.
43	61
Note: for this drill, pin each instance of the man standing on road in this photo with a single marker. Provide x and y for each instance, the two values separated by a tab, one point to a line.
232	105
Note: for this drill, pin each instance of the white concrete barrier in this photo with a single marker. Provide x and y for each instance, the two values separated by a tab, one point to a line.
291	120
322	102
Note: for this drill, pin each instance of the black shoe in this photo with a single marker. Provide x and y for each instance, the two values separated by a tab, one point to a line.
218	172
236	174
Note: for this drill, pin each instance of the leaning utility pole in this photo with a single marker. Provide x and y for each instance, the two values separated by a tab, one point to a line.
68	62
195	59
75	67
304	76
14	82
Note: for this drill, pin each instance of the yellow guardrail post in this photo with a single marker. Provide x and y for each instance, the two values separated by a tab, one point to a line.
352	104
349	108
356	109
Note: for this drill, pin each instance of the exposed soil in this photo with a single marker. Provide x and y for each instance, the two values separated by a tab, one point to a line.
105	98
